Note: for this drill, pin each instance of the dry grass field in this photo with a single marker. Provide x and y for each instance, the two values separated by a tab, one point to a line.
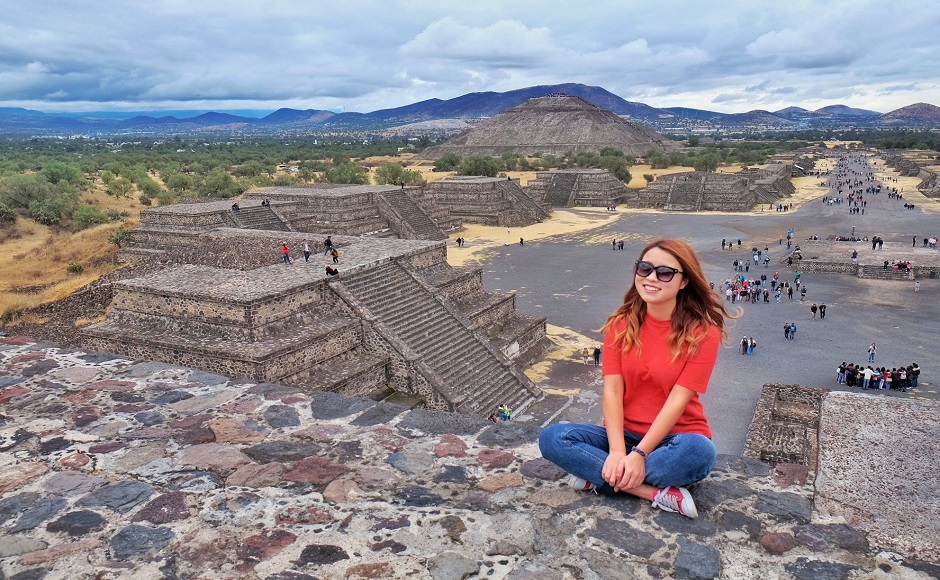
35	259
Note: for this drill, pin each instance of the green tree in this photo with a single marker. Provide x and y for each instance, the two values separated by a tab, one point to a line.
707	162
179	182
120	187
447	162
349	173
86	216
219	184
49	211
395	173
618	166
56	172
478	165
19	191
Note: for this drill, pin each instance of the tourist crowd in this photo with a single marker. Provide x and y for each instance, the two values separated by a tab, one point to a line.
899	378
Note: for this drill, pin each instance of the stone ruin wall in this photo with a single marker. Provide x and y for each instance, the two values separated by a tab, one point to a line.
478	201
590	187
197	221
598	190
785	426
904	166
930	182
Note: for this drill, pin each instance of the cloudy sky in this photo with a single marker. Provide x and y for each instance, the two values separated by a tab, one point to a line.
360	55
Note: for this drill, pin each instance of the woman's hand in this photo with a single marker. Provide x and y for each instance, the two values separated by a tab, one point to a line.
624	471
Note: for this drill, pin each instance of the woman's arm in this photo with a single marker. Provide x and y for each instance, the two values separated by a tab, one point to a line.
612	403
634	464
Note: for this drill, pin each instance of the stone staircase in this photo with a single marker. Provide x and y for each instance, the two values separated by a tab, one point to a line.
561	189
404	209
685	194
880	273
521	201
468	373
259	218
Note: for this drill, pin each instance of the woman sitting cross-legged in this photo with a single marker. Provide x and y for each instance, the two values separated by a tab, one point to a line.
663	342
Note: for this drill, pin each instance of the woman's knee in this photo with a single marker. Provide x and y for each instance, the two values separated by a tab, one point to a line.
688	458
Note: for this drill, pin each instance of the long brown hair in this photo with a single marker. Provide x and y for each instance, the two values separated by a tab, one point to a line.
697	306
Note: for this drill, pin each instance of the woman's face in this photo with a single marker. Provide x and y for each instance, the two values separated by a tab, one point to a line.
659	296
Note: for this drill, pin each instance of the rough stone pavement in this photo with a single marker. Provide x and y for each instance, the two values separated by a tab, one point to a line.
113	468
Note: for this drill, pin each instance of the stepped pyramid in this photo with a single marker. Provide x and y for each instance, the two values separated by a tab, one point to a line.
554	125
396	319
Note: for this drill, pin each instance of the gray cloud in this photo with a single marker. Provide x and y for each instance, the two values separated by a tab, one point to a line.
363	55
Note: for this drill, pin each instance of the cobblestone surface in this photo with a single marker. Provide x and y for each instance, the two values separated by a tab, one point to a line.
104	476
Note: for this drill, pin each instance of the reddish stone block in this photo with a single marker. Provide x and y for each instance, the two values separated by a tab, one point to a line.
57	551
389	439
340	490
233	431
787	474
194	421
243	405
450	446
169	507
501	481
254	475
29	357
373	570
74	461
316	470
777	543
16	340
16	475
10	393
213	456
492	459
264	546
81	396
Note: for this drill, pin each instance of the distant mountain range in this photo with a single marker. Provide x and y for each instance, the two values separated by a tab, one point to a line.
471	107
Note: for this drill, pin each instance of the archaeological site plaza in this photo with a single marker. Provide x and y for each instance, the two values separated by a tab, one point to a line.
223	412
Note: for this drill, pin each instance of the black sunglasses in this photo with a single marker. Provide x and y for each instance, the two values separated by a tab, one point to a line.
663	273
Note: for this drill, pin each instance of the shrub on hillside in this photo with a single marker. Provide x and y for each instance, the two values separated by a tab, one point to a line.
118	237
86	216
447	162
75	268
6	213
478	165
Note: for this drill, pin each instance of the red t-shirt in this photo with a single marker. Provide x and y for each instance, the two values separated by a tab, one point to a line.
649	378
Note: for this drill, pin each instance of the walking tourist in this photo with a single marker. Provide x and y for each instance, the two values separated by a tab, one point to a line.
655	441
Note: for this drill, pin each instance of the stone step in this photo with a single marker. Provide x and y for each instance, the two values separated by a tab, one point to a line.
466	366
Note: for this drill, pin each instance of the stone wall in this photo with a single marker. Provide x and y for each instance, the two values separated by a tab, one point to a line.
577	188
785	425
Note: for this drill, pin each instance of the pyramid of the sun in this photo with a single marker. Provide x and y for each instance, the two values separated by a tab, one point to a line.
555	125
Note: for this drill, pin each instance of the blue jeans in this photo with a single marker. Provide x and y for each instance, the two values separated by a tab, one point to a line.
681	459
